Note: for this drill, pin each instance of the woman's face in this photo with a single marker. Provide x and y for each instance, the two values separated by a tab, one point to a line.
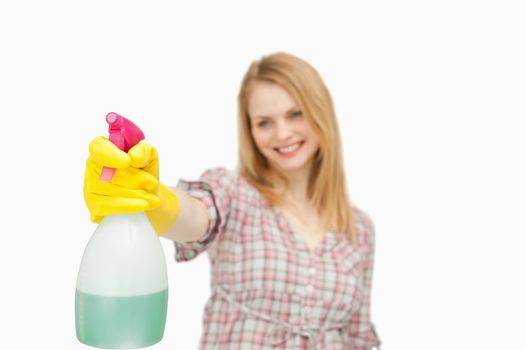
279	128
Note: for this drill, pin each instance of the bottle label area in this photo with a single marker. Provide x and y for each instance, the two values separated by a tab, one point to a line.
120	322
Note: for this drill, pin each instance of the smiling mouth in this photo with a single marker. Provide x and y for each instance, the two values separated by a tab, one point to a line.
289	149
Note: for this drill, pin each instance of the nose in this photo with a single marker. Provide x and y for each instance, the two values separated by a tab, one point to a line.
284	131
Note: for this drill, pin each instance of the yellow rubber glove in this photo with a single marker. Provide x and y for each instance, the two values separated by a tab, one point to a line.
135	186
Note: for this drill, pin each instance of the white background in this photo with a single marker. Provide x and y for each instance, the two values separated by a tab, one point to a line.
430	100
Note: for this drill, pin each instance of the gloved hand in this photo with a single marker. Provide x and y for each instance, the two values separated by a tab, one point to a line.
135	186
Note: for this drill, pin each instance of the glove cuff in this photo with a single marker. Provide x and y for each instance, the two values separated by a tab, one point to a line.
165	215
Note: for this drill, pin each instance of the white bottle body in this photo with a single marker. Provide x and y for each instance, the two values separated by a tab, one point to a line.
124	257
122	287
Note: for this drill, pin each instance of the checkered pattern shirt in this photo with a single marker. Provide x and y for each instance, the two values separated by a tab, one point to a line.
269	290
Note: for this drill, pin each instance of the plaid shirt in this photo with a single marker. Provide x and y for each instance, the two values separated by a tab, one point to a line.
269	290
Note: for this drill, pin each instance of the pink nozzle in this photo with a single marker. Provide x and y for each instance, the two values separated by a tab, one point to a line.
111	117
124	134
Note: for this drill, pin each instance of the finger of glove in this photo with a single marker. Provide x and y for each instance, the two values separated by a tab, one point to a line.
101	206
136	179
131	178
108	189
142	154
145	156
105	153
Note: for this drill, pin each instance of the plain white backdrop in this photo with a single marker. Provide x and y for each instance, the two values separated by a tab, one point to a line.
430	99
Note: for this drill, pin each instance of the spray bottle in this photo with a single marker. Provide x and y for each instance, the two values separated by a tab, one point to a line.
121	296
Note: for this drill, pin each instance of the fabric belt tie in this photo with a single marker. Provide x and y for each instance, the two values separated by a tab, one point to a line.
286	330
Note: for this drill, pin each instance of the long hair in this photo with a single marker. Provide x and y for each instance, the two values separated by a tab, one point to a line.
326	183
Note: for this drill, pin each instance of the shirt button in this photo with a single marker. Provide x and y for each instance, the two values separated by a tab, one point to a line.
309	288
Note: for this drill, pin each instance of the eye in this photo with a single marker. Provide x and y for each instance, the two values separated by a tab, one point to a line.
297	114
263	123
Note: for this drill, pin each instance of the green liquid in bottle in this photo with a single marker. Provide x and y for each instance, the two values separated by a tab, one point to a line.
120	322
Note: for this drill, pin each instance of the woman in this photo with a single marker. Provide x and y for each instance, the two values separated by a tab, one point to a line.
291	258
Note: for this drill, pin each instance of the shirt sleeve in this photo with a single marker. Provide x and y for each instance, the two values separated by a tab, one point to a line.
214	189
362	331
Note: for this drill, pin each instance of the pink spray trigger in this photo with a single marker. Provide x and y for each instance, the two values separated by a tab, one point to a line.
124	134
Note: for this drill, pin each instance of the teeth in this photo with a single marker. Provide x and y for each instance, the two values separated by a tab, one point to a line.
289	148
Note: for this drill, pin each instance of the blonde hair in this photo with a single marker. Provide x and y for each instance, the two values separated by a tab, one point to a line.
326	183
